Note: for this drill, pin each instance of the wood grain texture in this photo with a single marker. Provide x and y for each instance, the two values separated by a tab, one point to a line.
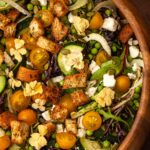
141	27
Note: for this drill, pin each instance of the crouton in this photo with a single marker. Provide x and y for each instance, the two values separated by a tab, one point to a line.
59	30
20	132
27	75
125	33
36	28
51	94
75	81
71	125
1	56
3	21
51	128
13	14
6	118
59	7
79	98
48	45
59	113
10	30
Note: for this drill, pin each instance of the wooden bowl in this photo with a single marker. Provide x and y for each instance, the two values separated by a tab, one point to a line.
140	129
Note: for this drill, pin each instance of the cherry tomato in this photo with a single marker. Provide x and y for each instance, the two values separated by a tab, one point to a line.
65	140
28	115
4	142
92	121
18	101
122	84
66	101
39	57
46	16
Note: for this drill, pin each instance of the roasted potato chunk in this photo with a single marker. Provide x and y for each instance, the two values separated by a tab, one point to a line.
71	125
59	7
75	81
20	132
59	30
59	113
79	98
10	30
48	45
3	21
6	118
36	28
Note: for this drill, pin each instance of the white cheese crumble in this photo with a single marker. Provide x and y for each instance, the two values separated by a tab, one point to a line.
110	24
81	133
93	67
39	104
46	115
43	2
131	76
79	122
109	80
57	79
2	132
134	51
91	91
59	128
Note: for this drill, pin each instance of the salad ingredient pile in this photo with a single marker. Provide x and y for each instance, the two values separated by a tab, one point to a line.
70	75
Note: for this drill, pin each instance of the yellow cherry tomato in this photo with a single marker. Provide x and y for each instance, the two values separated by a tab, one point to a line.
92	120
39	57
122	84
18	101
65	140
4	142
67	102
28	116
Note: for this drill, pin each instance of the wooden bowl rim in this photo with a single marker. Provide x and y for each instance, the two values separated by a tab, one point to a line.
140	128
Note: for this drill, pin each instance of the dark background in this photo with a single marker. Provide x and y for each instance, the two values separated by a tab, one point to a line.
143	7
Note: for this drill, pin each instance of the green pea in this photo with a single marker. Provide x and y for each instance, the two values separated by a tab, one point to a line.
94	51
3	41
108	12
106	144
114	48
137	89
90	56
61	83
8	133
136	96
44	7
130	58
56	145
89	133
53	135
92	42
30	6
73	30
97	45
137	104
30	148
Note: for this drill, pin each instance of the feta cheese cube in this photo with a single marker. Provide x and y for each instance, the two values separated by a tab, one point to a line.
93	67
134	51
109	80
46	115
81	133
91	91
43	2
131	76
59	128
110	24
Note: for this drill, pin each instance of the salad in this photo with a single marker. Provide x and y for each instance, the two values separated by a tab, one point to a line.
70	75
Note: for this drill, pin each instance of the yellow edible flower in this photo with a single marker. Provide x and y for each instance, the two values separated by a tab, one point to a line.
105	97
33	88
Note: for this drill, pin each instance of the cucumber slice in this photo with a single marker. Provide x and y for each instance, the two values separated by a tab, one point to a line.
90	145
67	49
2	83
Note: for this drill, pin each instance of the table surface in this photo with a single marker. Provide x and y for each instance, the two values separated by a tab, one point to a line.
143	7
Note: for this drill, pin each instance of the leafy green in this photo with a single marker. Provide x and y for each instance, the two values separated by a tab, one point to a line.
109	115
